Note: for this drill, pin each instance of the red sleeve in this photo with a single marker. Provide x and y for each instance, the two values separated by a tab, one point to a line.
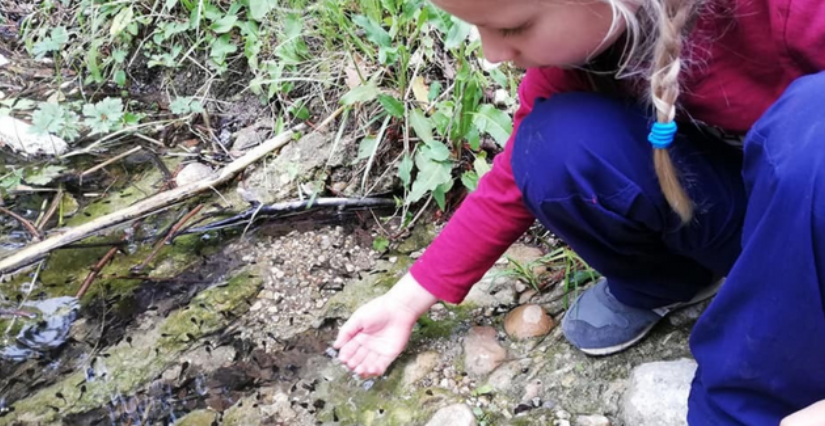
491	218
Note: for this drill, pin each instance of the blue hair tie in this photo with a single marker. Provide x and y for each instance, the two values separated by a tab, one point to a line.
661	134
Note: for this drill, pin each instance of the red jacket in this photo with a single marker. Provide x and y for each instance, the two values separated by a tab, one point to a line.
741	58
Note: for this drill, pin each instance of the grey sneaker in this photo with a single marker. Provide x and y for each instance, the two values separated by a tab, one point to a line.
598	324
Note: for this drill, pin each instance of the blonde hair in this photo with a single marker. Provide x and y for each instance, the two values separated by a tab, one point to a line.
655	36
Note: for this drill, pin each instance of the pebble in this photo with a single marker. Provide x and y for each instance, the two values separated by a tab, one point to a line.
193	172
563	415
482	352
453	415
528	321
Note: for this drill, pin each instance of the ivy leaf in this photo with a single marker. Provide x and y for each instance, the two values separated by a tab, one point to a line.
360	94
392	105
224	25
104	116
44	175
498	124
374	32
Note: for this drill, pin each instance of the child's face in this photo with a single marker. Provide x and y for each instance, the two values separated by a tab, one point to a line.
535	33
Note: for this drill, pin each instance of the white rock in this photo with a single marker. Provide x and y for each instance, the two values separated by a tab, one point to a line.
194	172
500	97
4	61
17	135
593	420
453	415
657	394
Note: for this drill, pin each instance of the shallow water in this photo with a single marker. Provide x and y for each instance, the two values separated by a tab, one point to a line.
46	326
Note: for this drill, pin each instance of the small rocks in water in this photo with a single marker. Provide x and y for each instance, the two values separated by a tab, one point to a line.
482	352
453	415
193	172
594	420
528	321
657	394
18	136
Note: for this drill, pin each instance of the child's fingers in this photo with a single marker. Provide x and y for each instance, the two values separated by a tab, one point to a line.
347	332
369	366
349	349
358	358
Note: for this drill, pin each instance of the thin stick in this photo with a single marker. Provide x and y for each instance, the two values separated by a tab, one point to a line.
26	224
171	233
146	207
111	160
58	198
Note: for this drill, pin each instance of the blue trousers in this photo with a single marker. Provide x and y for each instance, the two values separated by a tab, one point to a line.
585	170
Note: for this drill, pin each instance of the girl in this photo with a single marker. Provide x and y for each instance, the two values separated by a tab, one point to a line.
737	191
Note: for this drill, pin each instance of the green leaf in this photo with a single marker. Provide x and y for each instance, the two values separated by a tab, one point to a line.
374	32
459	32
60	35
380	243
435	90
484	390
181	105
481	166
259	8
104	116
121	21
120	78
431	174
494	122
366	147
48	118
44	175
470	180
423	128
360	94
392	105
221	47
440	194
405	170
224	25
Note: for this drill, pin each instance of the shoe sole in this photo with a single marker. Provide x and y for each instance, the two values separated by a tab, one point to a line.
663	312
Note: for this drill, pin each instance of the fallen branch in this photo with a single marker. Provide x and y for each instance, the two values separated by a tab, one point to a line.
146	207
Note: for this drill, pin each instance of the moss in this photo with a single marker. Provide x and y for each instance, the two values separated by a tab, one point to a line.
420	238
149	354
140	188
197	418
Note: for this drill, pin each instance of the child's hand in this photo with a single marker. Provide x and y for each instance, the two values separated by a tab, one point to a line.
813	415
377	332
